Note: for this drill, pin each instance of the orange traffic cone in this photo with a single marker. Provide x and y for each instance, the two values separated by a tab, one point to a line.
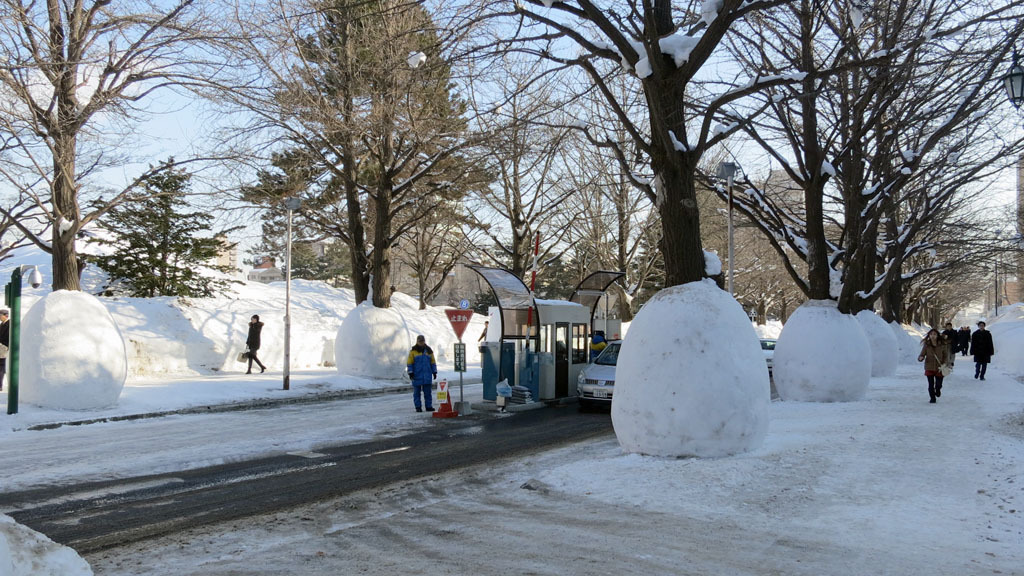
445	410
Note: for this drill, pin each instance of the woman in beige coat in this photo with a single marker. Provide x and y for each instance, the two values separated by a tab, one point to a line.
935	355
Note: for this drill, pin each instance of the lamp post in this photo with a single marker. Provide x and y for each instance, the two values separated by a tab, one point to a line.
291	204
995	299
12	297
727	170
1013	81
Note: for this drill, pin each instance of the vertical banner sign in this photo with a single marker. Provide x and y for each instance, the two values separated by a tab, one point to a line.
459	319
460	356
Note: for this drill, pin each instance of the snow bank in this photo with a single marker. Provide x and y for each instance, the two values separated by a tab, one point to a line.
885	350
1007	337
72	353
26	552
770	330
822	356
691	377
373	342
909	339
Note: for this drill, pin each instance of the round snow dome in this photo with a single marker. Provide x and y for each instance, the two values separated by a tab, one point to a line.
72	354
885	350
372	342
691	379
822	355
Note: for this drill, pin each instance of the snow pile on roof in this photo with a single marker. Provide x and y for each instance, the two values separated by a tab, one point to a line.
72	353
24	551
822	355
691	379
885	351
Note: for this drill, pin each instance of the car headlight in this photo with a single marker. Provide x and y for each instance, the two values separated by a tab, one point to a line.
581	379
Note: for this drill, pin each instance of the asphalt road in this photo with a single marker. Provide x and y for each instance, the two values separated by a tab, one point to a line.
99	515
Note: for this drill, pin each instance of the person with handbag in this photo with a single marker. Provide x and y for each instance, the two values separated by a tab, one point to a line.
935	355
252	343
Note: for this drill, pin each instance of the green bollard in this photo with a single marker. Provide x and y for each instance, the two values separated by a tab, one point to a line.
12	297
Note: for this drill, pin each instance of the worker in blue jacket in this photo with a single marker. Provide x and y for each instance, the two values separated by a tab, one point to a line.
421	367
597	344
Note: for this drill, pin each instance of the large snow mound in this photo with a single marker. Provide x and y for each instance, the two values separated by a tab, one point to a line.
885	350
26	552
909	339
72	353
822	355
691	379
373	343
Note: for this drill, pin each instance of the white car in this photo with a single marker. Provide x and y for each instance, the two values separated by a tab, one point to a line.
596	382
768	349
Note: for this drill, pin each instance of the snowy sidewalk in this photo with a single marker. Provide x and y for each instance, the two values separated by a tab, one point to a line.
152	398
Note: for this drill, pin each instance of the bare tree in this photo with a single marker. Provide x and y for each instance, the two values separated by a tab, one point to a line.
76	74
433	247
661	48
887	128
523	152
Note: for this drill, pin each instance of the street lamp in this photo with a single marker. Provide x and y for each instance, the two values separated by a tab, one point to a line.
12	297
1013	81
291	204
728	170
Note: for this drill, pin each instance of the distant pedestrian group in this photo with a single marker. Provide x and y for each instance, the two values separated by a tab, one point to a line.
939	349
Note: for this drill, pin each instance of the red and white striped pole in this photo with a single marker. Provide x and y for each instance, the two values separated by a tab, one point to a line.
533	281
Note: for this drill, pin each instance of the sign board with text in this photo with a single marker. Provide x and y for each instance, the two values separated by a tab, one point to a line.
460	356
459	319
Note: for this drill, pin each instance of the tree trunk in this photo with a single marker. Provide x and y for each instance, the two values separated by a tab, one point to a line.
66	270
673	169
818	269
381	261
357	248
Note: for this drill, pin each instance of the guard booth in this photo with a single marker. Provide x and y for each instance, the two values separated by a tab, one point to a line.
543	351
592	292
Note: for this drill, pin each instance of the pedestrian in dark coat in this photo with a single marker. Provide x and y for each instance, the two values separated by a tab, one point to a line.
950	335
252	342
982	349
421	367
963	337
935	354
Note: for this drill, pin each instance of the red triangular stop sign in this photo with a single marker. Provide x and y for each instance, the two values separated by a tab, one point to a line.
459	320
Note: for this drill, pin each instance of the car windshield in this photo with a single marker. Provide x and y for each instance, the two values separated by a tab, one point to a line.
767	344
609	356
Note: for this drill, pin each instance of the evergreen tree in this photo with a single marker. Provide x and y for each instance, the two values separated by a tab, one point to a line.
157	247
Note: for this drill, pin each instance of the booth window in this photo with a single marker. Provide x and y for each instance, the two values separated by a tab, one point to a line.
579	344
